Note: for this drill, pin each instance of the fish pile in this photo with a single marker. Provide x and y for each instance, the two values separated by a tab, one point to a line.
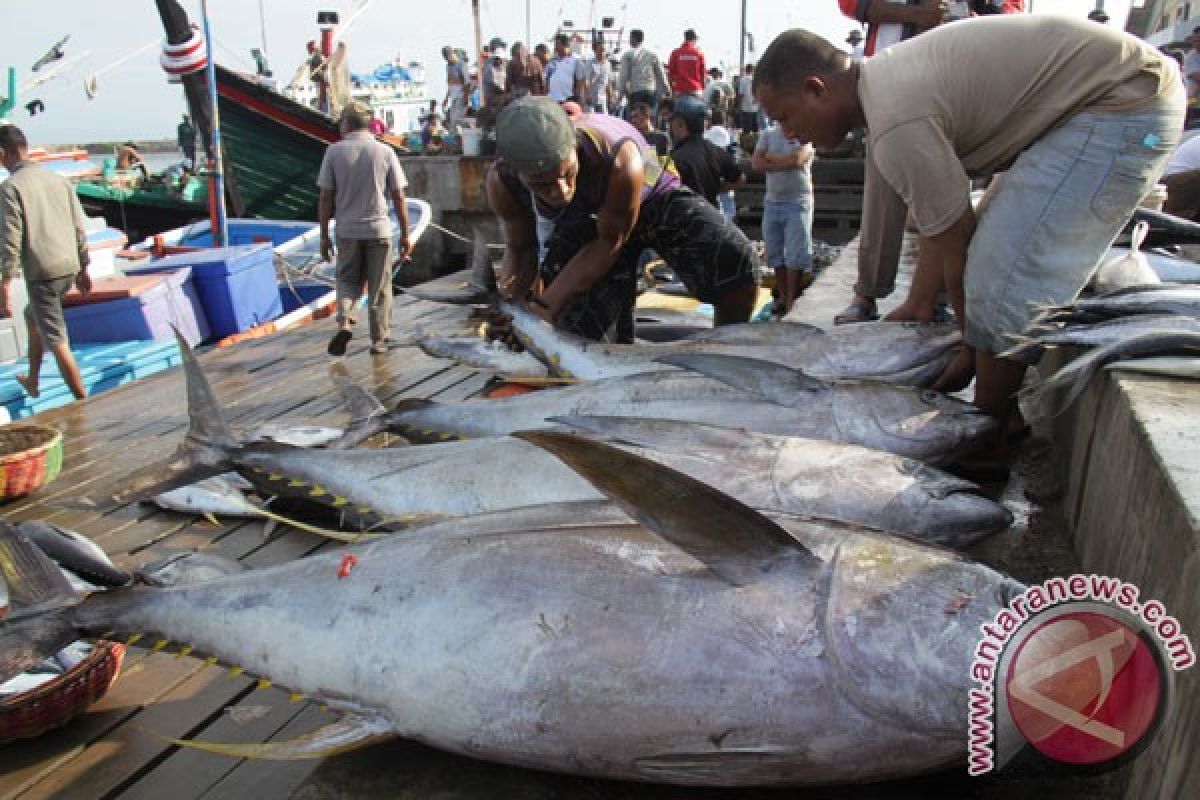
1152	328
723	561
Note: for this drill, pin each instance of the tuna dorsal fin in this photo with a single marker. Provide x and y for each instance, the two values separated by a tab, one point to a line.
207	427
349	733
734	541
773	382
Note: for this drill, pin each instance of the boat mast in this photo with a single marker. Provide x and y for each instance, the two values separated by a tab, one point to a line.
179	30
478	40
220	223
262	28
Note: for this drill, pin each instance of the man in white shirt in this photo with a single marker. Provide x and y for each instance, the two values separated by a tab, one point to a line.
565	74
747	103
598	80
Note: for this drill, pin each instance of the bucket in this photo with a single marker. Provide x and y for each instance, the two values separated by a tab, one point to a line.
472	139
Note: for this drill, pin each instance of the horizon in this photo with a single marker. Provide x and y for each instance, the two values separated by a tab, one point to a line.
134	101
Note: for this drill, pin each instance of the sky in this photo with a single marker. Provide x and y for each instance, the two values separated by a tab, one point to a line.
119	42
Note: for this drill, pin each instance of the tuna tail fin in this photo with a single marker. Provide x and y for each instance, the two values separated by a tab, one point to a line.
206	450
737	543
367	415
772	382
40	596
349	733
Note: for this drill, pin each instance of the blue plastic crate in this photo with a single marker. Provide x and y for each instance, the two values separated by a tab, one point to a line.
151	314
103	366
236	285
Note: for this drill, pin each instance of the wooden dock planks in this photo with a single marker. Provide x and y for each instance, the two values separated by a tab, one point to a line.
120	748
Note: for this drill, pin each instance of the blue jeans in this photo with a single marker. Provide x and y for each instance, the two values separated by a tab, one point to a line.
787	230
1057	211
727	204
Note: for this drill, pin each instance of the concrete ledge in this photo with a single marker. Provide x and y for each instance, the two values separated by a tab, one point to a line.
1130	450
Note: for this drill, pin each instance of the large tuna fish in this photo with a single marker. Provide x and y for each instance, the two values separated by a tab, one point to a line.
896	352
381	486
708	645
747	393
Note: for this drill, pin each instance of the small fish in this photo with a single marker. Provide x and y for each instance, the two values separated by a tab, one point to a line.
1079	371
1100	334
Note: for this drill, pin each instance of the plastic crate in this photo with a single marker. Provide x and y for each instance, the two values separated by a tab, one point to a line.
137	308
236	285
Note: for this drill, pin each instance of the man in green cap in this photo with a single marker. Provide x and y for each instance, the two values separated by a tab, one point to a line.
599	190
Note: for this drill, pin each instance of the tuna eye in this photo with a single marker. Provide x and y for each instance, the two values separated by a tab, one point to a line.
929	396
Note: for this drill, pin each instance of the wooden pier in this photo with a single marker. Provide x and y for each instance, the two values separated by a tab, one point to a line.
120	747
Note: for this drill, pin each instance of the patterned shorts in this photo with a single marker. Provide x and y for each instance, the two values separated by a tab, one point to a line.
710	256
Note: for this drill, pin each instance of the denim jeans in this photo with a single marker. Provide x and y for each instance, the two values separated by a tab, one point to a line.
727	204
1057	211
787	230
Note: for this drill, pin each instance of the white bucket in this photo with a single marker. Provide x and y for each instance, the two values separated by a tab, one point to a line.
472	139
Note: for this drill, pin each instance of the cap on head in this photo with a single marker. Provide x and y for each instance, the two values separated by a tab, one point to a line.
356	115
534	135
690	35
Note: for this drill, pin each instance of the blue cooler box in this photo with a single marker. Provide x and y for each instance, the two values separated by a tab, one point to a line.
236	285
137	307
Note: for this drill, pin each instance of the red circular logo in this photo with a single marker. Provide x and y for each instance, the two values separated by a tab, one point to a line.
1084	688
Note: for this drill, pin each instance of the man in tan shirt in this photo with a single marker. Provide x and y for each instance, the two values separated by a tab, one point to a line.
1083	121
42	236
358	176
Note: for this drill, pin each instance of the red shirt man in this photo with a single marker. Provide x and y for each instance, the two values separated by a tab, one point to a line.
686	66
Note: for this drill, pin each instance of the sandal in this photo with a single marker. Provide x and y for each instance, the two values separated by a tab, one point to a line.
857	311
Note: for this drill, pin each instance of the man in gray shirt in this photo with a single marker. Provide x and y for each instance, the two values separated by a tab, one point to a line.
358	175
641	77
41	235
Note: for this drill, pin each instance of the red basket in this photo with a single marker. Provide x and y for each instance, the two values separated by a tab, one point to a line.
30	457
56	702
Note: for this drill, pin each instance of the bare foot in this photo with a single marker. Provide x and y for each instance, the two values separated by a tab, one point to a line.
30	386
958	373
906	312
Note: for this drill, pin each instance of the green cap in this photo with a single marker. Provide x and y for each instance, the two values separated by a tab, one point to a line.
534	134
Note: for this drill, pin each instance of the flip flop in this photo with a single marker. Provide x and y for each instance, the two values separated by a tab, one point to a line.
857	311
337	345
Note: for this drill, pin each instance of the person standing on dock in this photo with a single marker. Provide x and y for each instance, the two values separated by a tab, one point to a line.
358	175
186	133
1083	123
640	76
787	212
601	186
42	237
687	69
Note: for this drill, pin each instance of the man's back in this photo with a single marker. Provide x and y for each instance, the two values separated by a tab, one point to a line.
361	172
703	166
686	67
42	223
639	70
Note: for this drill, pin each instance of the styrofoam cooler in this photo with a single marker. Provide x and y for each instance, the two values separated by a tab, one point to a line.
236	285
122	309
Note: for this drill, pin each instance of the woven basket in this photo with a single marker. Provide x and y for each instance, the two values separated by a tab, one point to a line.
54	703
30	457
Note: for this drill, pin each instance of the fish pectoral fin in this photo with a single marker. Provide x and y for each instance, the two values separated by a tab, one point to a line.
538	380
729	767
737	543
349	733
773	382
